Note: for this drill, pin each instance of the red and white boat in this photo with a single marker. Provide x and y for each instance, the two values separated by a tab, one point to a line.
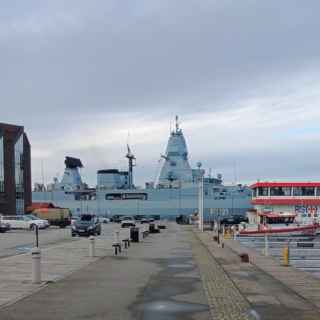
276	224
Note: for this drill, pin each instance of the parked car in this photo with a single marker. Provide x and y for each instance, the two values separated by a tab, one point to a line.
139	217
127	221
236	219
104	219
4	227
117	218
86	225
24	222
144	220
155	216
45	222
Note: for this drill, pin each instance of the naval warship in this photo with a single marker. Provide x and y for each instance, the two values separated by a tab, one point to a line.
175	191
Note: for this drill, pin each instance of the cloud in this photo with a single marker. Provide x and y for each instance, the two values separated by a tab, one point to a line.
243	76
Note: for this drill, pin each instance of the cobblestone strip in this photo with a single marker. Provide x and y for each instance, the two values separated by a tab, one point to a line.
225	300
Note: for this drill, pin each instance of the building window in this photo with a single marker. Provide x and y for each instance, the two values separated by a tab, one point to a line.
303	191
262	192
1	165
280	191
19	172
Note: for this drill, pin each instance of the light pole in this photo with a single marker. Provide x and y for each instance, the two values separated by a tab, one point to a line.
179	197
200	201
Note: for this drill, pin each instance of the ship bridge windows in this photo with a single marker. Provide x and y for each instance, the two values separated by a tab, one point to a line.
126	196
304	191
262	192
280	191
173	154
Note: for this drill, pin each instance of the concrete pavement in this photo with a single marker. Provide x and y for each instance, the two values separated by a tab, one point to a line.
264	283
157	279
57	262
177	274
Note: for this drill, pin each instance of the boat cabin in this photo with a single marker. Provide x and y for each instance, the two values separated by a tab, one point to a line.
276	217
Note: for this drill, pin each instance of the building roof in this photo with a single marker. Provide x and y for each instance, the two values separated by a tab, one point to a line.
297	201
267	184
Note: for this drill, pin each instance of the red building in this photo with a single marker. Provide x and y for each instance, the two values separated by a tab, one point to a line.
302	198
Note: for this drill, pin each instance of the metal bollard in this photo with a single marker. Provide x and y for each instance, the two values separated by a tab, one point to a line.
92	247
266	245
286	255
36	265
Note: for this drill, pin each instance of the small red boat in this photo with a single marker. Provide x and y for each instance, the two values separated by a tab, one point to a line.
276	224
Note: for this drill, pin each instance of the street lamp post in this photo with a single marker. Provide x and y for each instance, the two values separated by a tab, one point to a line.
200	202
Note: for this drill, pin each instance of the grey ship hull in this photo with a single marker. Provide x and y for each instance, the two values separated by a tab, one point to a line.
165	202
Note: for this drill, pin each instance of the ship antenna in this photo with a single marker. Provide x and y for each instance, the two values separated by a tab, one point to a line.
177	124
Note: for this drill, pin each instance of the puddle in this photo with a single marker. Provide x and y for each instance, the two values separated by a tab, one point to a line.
167	309
181	265
240	273
23	248
253	315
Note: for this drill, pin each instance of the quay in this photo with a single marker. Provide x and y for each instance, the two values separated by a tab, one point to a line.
179	273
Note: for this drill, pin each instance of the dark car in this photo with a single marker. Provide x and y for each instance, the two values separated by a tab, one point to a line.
237	219
4	227
117	218
155	216
86	225
139	217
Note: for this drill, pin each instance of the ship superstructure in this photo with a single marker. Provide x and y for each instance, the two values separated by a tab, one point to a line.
175	191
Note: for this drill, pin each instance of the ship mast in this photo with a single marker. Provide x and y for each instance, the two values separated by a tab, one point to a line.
131	159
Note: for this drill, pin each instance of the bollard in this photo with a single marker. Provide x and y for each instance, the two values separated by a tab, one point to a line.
266	245
286	255
117	237
92	247
235	235
116	243
36	265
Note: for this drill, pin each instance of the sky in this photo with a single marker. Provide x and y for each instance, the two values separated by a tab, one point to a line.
86	77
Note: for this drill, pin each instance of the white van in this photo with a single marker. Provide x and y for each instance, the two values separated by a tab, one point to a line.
24	222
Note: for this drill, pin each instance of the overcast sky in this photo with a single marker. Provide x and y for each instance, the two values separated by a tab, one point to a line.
243	76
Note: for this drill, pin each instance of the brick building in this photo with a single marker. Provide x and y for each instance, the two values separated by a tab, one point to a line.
15	170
